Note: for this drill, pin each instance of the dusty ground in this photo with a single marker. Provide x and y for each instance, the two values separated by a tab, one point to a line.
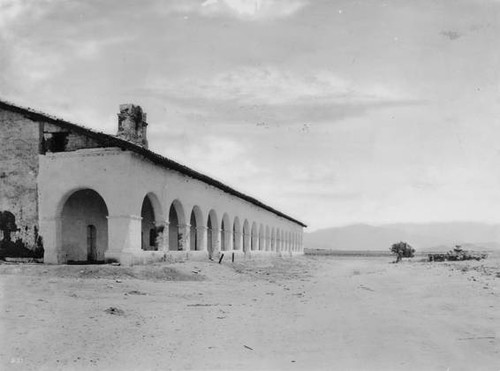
304	313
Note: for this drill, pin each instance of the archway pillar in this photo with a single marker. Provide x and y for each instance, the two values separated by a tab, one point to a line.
184	237
124	237
163	238
217	240
201	235
247	242
228	240
238	239
51	230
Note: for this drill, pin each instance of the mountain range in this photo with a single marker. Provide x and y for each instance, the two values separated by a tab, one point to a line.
428	236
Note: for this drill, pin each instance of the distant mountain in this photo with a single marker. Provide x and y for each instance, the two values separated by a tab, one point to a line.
427	236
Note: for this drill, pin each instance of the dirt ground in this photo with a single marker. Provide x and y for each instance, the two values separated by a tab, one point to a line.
305	313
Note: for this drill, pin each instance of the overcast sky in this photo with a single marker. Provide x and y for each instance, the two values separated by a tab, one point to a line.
333	111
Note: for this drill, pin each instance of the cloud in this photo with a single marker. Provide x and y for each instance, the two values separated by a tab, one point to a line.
252	9
26	11
246	10
270	96
273	86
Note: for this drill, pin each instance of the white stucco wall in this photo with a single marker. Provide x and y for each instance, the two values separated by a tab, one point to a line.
123	179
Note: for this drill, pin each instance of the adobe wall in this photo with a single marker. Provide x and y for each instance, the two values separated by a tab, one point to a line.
123	179
19	147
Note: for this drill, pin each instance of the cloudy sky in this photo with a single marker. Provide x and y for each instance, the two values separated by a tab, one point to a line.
333	111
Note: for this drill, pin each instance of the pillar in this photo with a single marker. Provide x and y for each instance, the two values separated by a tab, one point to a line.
201	234
247	242
238	241
51	232
163	243
228	240
124	237
185	233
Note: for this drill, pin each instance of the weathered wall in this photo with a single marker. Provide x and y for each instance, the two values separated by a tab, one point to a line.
61	139
22	139
19	146
123	179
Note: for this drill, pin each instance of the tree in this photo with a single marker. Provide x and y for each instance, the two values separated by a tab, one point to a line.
402	250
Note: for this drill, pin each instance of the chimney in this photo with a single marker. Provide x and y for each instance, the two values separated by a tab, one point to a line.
132	124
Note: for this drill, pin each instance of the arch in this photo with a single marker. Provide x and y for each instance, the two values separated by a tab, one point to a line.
237	234
176	220
225	233
254	237
151	227
262	245
196	232
268	237
84	225
246	236
212	234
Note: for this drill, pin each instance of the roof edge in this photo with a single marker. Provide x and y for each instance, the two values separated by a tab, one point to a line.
111	140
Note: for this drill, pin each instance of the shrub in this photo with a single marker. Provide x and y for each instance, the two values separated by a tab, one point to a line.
402	250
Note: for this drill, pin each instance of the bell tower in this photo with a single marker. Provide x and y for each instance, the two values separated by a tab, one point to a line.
132	124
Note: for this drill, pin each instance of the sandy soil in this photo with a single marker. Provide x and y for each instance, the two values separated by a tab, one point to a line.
295	314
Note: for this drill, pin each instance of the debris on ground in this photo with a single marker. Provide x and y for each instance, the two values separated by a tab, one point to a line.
457	254
135	292
115	311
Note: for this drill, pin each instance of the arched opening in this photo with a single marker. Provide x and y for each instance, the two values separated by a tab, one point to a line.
273	240
196	235
225	233
150	232
175	222
254	240
236	234
246	236
212	233
173	229
84	227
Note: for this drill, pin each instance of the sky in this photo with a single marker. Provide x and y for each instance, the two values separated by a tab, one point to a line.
332	111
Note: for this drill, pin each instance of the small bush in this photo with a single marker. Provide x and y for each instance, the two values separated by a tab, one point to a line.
402	250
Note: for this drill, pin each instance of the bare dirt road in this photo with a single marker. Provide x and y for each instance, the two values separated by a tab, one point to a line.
304	313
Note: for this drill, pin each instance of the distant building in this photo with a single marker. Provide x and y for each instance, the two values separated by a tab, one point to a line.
89	196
